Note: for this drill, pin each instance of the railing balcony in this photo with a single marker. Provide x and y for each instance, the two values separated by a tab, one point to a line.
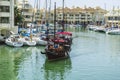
5	2
4	14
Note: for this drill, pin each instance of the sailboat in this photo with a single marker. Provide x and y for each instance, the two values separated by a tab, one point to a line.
28	40
36	37
56	48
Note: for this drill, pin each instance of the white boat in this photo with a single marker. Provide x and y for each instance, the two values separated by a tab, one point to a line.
28	42
2	39
92	27
113	31
14	40
100	29
39	41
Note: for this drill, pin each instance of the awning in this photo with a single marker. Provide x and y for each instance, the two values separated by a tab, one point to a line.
64	33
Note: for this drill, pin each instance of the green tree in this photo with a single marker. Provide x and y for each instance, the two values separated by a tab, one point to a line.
18	18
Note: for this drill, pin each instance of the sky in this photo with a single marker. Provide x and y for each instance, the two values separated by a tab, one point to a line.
105	4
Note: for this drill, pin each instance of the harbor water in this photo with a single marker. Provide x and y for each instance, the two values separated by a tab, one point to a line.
94	56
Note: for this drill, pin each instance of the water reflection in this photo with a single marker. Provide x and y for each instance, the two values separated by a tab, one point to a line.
57	70
6	64
29	66
20	63
94	56
34	66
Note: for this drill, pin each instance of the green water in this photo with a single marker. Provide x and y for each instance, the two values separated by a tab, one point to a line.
94	56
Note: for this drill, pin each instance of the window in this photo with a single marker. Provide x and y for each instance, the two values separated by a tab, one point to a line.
76	14
27	16
4	19
116	18
82	18
110	18
4	9
37	13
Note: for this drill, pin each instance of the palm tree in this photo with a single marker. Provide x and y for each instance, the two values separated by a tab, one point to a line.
18	18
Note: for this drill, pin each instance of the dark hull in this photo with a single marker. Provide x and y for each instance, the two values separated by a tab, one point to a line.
56	56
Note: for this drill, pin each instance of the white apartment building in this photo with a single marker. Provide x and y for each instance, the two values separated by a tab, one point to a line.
27	11
77	15
113	17
7	14
81	15
7	17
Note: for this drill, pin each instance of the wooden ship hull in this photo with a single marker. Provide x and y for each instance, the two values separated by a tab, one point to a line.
56	56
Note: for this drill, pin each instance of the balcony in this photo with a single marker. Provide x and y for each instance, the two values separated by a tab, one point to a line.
4	25
28	19
5	3
4	14
27	13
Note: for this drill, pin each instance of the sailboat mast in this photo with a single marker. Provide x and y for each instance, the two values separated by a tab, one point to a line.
63	16
46	17
54	19
49	17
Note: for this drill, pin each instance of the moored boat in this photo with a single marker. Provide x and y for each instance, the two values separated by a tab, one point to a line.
39	41
28	42
58	47
57	50
2	39
14	40
100	29
113	31
92	27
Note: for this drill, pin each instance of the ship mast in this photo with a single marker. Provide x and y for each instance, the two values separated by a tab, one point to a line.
54	19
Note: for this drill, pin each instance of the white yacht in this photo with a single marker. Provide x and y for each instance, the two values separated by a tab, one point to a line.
100	29
113	31
92	27
2	39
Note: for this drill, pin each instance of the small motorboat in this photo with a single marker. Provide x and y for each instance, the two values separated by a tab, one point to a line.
28	42
2	39
39	41
14	40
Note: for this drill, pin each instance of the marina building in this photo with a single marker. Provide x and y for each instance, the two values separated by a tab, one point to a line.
75	15
113	17
6	16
